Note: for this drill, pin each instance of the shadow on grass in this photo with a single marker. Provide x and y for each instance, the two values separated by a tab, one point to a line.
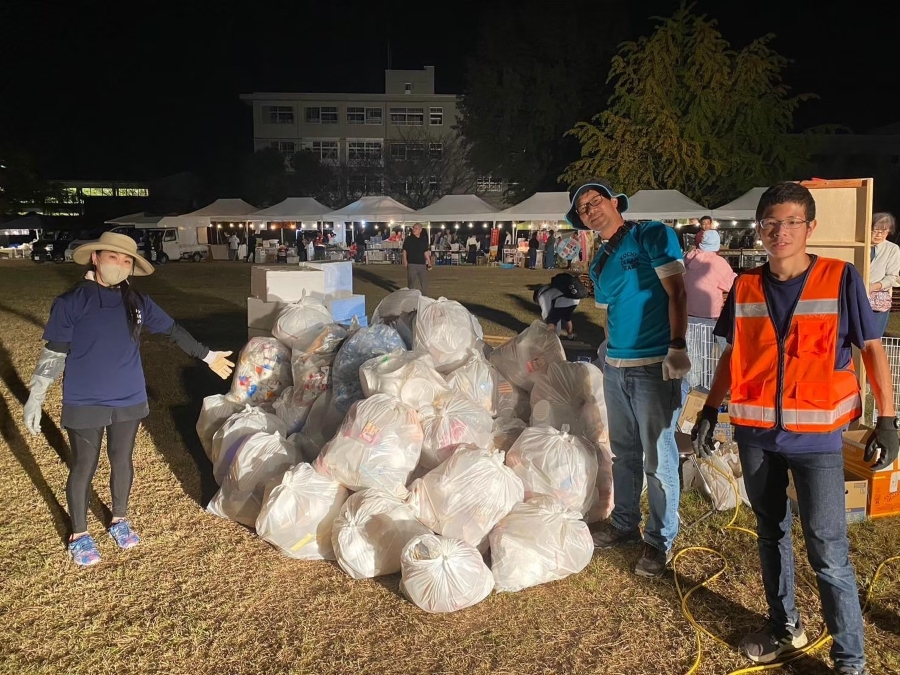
587	331
498	316
370	277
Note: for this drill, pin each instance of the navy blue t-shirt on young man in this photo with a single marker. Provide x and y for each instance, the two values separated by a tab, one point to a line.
856	325
103	366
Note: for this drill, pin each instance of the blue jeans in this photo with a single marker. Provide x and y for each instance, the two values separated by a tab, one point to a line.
532	258
881	320
643	411
819	480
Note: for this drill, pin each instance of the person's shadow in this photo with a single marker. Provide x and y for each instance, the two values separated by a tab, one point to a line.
21	448
374	279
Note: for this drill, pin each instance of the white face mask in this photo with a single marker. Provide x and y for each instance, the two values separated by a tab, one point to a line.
113	274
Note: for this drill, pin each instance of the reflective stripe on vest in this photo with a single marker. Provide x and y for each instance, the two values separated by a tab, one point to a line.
792	382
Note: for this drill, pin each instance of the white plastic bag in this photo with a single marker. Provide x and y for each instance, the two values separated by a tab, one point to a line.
378	445
717	486
511	400
572	394
328	417
371	531
311	363
402	301
524	357
299	322
477	379
292	415
505	432
453	420
443	574
603	503
214	412
466	495
262	458
446	330
299	511
408	376
227	440
263	372
364	344
556	463
539	541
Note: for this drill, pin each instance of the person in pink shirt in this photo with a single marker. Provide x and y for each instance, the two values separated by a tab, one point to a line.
707	276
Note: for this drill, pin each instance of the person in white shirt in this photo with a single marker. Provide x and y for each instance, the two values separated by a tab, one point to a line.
884	269
472	249
233	245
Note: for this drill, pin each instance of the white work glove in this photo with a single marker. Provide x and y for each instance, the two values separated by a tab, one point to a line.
676	364
49	366
219	364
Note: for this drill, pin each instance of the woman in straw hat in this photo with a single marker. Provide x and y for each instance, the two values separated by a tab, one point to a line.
93	334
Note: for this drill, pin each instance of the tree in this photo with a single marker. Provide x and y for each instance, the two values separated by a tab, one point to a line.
310	177
264	179
420	167
537	70
691	114
21	186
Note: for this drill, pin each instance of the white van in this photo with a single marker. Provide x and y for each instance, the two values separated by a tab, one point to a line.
175	240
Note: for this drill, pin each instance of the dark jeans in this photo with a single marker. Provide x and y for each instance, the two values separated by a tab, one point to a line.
881	320
417	277
85	444
532	258
819	480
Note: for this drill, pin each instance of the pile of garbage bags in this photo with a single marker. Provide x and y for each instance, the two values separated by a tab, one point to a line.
411	447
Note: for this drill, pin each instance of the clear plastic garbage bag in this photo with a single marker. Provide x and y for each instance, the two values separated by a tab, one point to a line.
477	379
451	421
371	531
214	412
365	344
298	513
299	322
263	371
328	417
556	463
447	331
227	440
539	541
524	357
407	376
378	445
505	432
466	495
443	574
571	394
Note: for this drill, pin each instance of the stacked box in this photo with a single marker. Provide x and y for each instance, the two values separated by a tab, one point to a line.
688	417
338	276
344	309
286	284
883	485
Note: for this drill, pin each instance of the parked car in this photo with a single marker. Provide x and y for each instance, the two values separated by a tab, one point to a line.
52	245
94	235
175	243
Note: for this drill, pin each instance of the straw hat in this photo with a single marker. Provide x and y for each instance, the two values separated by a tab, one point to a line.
120	243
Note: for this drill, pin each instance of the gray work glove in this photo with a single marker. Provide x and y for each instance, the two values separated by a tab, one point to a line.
702	433
49	366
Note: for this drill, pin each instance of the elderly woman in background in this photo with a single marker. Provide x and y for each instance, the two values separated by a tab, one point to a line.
884	269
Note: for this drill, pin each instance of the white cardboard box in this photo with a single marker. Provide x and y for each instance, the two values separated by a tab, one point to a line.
338	275
261	314
286	284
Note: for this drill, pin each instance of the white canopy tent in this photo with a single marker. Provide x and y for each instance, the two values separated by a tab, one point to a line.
539	206
136	219
378	209
742	208
295	209
662	205
224	211
451	208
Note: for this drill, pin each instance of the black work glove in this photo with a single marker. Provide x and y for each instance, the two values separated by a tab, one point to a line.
702	433
885	439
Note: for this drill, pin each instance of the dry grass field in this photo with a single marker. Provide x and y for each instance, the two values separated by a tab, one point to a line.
201	595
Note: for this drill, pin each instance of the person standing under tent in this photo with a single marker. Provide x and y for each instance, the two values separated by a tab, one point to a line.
93	340
550	251
417	259
884	269
790	326
471	248
638	280
533	246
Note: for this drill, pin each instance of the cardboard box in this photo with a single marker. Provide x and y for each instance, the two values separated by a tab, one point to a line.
262	314
883	485
855	496
688	417
854	449
344	309
338	275
286	284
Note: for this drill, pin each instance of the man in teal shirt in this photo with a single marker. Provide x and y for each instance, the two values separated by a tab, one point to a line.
638	280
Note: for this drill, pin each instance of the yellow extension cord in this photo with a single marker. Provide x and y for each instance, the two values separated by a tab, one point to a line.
700	630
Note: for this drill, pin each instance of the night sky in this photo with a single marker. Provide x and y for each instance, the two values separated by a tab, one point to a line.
141	90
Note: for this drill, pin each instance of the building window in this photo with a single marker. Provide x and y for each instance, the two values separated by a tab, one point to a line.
436	117
408	117
436	150
415	150
488	184
313	115
408	87
329	115
132	192
360	150
278	114
398	151
374	116
326	150
356	115
97	192
286	148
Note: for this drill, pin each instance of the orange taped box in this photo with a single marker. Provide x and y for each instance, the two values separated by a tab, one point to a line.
883	486
688	417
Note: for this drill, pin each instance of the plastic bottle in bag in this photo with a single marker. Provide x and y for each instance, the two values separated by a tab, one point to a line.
524	357
511	400
447	331
299	322
539	541
443	574
570	394
477	379
371	531
407	376
299	511
363	345
263	371
227	440
450	422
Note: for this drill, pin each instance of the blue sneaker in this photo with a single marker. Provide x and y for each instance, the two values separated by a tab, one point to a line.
84	551
123	534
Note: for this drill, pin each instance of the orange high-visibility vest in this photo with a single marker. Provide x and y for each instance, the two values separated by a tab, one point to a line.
791	383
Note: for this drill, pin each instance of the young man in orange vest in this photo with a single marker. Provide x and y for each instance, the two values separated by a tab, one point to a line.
789	326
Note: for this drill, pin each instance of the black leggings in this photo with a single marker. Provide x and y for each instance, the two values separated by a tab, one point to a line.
85	444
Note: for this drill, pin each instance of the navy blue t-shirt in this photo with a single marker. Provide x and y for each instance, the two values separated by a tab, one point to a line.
856	325
103	367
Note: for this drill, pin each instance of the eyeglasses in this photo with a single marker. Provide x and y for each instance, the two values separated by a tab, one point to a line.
585	209
788	224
